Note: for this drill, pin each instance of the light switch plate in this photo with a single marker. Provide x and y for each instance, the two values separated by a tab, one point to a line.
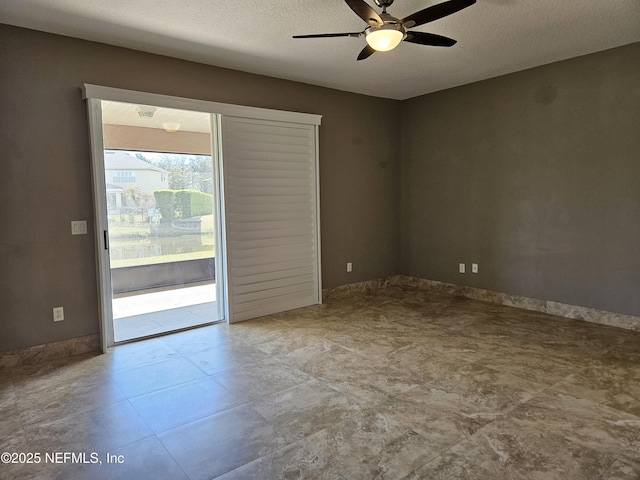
78	227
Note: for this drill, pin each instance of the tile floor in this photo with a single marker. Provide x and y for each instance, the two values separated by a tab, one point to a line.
152	313
402	384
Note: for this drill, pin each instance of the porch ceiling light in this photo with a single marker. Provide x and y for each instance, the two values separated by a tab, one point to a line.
171	127
145	111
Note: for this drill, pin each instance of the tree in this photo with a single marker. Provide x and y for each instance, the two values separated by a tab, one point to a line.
193	172
132	195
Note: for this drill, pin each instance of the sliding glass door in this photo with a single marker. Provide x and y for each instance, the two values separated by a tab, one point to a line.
163	221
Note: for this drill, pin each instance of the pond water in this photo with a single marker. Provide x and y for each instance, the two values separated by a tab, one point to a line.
187	246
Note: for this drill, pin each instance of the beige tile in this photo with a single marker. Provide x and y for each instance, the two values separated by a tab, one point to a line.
156	376
612	383
288	342
12	436
57	398
366	378
368	444
627	466
457	403
581	421
143	460
423	363
399	383
548	437
226	357
174	406
139	354
256	380
222	442
96	430
305	409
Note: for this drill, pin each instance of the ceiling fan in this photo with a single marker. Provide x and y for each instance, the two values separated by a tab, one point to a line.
385	32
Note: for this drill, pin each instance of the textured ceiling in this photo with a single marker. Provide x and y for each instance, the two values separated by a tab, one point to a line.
495	37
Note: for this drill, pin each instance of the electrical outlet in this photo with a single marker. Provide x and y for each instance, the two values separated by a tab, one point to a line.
58	314
461	268
474	268
349	267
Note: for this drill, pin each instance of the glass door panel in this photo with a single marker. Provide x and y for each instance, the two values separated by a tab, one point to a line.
163	223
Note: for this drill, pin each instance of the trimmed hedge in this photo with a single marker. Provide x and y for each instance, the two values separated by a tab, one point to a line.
165	201
183	203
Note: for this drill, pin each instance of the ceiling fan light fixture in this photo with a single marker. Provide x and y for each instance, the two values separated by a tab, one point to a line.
385	38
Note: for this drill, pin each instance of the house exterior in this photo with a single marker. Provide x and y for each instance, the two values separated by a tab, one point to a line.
123	170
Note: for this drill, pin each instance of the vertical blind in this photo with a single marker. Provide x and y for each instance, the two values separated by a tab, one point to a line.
271	216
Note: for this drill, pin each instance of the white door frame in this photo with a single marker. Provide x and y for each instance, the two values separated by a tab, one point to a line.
101	224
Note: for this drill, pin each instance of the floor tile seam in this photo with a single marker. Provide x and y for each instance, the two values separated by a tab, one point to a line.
522	404
488	357
448	450
310	380
498	371
365	356
619	457
198	419
324	384
175	460
409	431
455	356
580	397
145	437
21	421
234	367
270	393
184	352
276	355
609	467
130	397
206	417
264	456
551	391
131	368
124	445
45	416
119	370
195	380
29	391
353	398
160	432
233	468
272	358
53	376
455	411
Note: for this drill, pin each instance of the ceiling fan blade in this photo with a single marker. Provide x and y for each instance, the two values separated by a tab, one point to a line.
435	12
326	35
429	39
366	52
365	12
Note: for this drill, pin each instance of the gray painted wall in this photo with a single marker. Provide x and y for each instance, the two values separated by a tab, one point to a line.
46	179
533	175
